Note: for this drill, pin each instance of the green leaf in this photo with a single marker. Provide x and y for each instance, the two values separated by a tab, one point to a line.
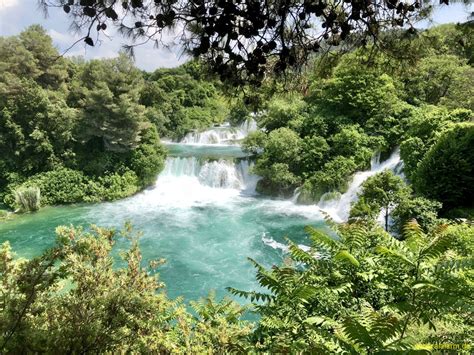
344	255
314	320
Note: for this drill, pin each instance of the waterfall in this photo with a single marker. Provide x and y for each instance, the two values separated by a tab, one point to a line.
224	134
223	174
339	209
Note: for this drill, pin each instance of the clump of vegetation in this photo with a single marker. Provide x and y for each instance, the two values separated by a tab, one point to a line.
28	199
355	105
92	126
367	292
75	298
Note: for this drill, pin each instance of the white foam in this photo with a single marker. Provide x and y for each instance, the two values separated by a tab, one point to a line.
222	135
283	247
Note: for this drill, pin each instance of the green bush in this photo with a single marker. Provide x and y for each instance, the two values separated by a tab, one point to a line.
28	199
333	177
63	186
59	186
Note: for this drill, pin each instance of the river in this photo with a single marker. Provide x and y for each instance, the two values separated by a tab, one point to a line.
202	215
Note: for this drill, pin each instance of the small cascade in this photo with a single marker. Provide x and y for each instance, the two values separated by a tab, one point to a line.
224	134
223	174
181	166
339	209
220	174
296	194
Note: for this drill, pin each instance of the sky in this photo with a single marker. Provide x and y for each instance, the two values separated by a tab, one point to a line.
16	15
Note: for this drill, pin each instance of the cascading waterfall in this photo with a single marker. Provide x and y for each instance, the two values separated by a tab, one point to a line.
221	135
339	209
224	174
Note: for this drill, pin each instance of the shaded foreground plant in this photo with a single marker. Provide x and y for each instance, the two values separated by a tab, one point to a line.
366	292
358	291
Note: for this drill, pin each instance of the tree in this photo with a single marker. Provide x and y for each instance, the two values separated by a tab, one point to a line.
107	92
437	78
421	209
446	172
182	100
382	191
242	40
32	55
279	162
424	129
355	91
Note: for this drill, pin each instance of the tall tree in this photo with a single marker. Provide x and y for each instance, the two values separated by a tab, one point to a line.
382	191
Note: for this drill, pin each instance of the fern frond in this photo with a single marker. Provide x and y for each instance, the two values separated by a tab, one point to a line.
383	250
438	246
299	255
305	293
321	239
357	333
344	255
252	295
355	236
266	278
414	235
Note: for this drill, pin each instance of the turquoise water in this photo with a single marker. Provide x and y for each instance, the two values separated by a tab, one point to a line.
202	216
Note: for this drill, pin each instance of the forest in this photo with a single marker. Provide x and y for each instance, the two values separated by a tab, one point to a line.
396	277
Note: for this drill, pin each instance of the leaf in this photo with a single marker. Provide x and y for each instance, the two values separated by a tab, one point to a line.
321	239
314	320
344	255
390	252
89	41
425	285
357	333
438	246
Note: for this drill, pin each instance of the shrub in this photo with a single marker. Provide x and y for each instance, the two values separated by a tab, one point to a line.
28	199
59	186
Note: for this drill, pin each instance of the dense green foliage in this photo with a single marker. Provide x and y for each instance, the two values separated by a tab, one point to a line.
183	99
380	192
361	292
388	195
348	108
74	131
89	131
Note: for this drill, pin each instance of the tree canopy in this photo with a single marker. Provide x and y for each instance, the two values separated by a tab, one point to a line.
245	39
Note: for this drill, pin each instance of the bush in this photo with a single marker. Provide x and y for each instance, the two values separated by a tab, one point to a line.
59	186
148	159
63	186
333	177
28	199
425	212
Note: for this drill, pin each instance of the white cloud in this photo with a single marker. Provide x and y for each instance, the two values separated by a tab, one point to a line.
8	3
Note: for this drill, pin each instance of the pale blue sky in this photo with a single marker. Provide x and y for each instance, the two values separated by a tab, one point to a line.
15	16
